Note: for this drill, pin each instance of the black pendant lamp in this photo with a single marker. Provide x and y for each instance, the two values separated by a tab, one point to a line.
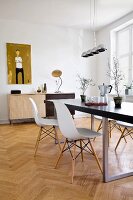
97	49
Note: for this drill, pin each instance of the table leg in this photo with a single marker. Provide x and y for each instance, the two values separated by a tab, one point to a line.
105	149
92	122
106	177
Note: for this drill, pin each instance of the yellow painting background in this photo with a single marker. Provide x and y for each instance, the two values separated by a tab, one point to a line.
25	54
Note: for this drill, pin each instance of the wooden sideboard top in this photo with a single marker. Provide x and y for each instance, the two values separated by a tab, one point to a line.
63	93
28	94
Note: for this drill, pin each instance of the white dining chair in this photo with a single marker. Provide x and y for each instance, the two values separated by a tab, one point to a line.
74	137
47	126
126	129
111	124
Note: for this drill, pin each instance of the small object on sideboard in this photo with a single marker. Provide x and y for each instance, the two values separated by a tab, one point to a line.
45	88
39	90
15	91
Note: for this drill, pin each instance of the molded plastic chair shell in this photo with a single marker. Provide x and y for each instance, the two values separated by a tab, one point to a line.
128	125
42	123
39	120
67	125
74	135
126	130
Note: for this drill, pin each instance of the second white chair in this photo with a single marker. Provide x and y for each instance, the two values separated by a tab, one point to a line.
111	124
126	129
75	137
47	126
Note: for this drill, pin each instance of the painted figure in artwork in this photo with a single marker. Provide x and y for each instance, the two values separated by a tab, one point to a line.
19	66
10	77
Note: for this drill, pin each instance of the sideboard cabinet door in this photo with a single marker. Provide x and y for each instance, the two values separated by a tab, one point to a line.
50	105
20	105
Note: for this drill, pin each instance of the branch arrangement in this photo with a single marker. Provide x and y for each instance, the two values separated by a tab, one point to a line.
84	83
116	75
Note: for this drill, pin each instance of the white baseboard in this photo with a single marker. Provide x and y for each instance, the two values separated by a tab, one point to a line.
80	114
77	115
2	121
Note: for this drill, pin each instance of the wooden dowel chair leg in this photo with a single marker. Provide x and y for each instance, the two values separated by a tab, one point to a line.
120	138
100	126
81	151
61	153
98	129
95	155
124	135
73	161
131	136
109	127
109	133
37	141
57	138
125	139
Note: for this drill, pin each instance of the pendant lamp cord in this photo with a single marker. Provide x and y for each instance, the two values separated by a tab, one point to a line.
94	17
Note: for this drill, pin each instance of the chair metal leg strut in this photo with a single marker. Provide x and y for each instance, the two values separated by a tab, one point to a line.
43	133
124	133
83	146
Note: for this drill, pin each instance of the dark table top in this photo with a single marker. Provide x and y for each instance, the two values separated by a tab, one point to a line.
125	113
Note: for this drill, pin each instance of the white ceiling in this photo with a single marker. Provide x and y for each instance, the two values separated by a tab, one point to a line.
73	13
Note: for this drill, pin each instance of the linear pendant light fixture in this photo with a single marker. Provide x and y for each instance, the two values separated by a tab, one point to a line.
97	49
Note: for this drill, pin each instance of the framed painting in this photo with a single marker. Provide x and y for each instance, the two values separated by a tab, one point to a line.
19	63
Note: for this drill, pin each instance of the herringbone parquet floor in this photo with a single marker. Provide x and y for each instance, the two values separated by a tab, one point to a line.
23	177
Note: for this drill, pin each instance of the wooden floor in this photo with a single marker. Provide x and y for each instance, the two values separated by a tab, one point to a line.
23	177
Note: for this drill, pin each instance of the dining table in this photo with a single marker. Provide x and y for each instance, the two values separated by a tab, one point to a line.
125	114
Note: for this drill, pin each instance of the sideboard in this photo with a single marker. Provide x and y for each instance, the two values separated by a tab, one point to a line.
50	105
20	107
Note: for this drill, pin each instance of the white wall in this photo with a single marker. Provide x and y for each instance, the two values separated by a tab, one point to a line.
103	36
52	48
